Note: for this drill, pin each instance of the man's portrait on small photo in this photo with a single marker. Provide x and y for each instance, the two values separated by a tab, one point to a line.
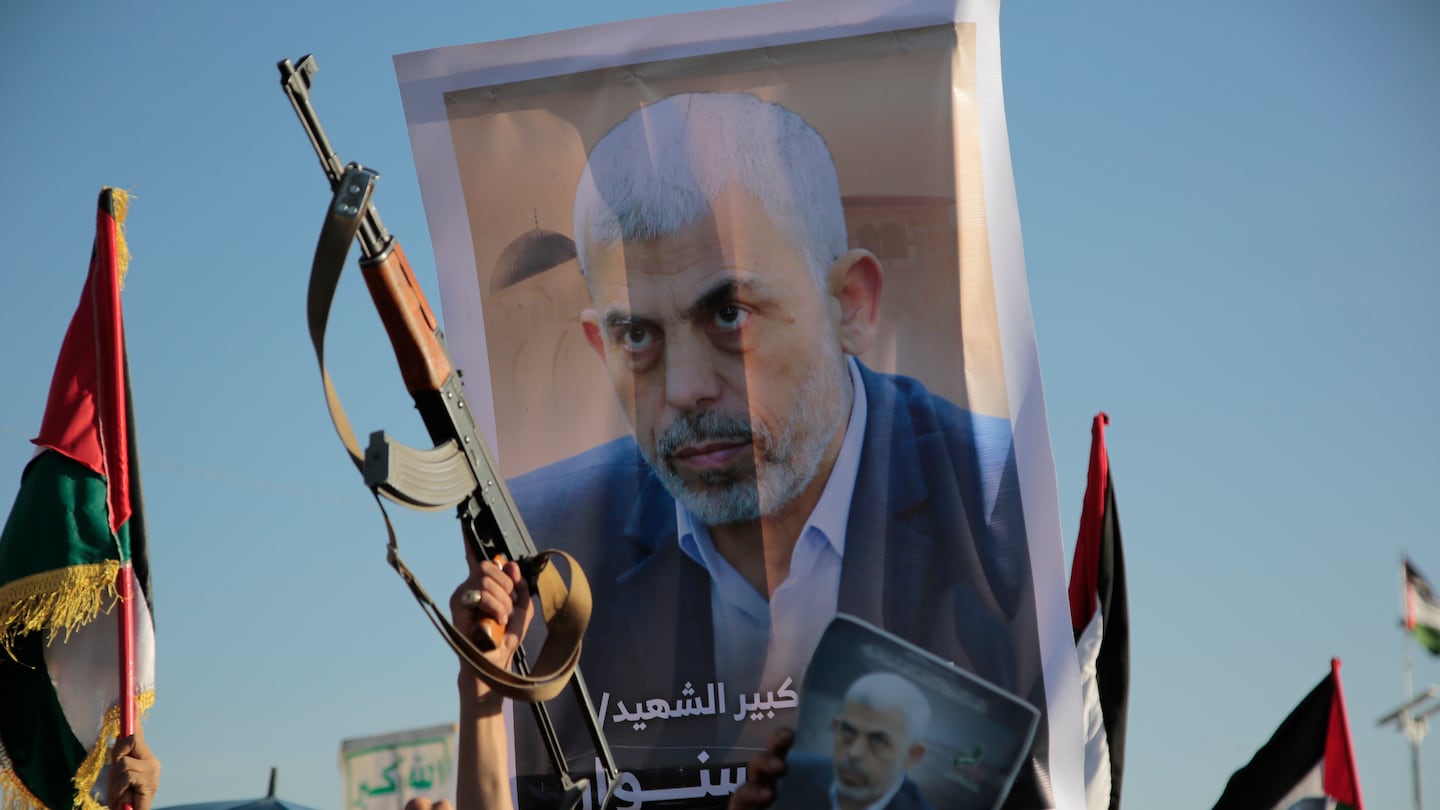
885	723
878	737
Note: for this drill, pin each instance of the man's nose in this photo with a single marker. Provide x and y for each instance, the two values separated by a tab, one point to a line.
856	749
692	379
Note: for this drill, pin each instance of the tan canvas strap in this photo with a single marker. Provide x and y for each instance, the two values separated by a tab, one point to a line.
566	610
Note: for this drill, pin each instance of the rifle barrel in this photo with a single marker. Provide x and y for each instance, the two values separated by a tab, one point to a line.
295	79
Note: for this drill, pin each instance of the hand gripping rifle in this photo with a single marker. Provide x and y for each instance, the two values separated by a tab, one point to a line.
459	471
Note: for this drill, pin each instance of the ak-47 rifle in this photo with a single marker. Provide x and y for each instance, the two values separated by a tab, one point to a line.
459	471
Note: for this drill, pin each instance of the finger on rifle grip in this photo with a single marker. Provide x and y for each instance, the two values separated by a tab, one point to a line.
491	630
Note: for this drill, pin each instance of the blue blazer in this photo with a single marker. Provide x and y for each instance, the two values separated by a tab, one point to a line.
807	780
935	553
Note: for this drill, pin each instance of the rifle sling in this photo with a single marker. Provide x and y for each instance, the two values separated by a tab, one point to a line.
566	610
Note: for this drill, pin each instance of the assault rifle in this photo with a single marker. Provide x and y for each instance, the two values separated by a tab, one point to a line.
459	471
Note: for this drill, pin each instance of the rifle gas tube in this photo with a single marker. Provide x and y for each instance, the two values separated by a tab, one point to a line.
459	470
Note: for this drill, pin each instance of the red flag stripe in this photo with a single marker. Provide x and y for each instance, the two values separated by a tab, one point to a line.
1084	569
85	417
1409	606
1341	781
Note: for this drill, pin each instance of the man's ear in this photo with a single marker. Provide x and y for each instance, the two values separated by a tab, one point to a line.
914	755
855	282
590	325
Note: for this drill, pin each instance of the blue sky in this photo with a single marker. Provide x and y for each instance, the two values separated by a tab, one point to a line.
1230	217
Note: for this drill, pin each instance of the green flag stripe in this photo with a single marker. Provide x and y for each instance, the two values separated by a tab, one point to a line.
1429	637
43	751
60	519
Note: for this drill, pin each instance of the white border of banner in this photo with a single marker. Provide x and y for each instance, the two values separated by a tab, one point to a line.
425	76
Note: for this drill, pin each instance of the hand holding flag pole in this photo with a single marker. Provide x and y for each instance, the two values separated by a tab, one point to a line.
134	774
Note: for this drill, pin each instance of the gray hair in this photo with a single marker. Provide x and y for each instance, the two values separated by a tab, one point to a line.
887	692
661	168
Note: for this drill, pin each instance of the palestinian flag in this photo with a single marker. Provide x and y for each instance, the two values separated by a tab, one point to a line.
72	550
1309	763
1422	610
1100	616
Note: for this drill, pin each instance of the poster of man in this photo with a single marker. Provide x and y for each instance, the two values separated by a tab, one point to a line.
735	309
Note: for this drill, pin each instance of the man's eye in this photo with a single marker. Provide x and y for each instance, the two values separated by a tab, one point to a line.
730	317
637	338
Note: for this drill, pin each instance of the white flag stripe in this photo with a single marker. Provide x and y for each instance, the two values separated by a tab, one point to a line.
1097	745
1426	613
85	668
1309	793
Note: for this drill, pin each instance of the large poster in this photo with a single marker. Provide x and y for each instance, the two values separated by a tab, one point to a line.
740	299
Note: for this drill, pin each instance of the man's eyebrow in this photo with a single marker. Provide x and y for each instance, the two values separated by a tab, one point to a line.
720	293
619	319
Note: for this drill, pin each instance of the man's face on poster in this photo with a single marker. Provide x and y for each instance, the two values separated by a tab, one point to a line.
873	749
727	356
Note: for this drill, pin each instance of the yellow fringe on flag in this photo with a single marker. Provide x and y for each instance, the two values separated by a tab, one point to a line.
100	753
53	601
18	797
120	202
13	794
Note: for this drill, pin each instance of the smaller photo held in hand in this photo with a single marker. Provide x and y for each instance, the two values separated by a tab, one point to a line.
883	723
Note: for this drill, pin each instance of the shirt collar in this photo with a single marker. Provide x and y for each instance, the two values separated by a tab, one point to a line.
832	511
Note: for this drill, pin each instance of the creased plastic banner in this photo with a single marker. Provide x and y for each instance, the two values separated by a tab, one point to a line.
742	299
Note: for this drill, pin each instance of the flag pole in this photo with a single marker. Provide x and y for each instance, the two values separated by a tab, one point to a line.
125	579
1409	726
1406	723
1414	728
124	583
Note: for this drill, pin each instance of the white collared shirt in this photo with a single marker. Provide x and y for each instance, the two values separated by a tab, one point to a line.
788	625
